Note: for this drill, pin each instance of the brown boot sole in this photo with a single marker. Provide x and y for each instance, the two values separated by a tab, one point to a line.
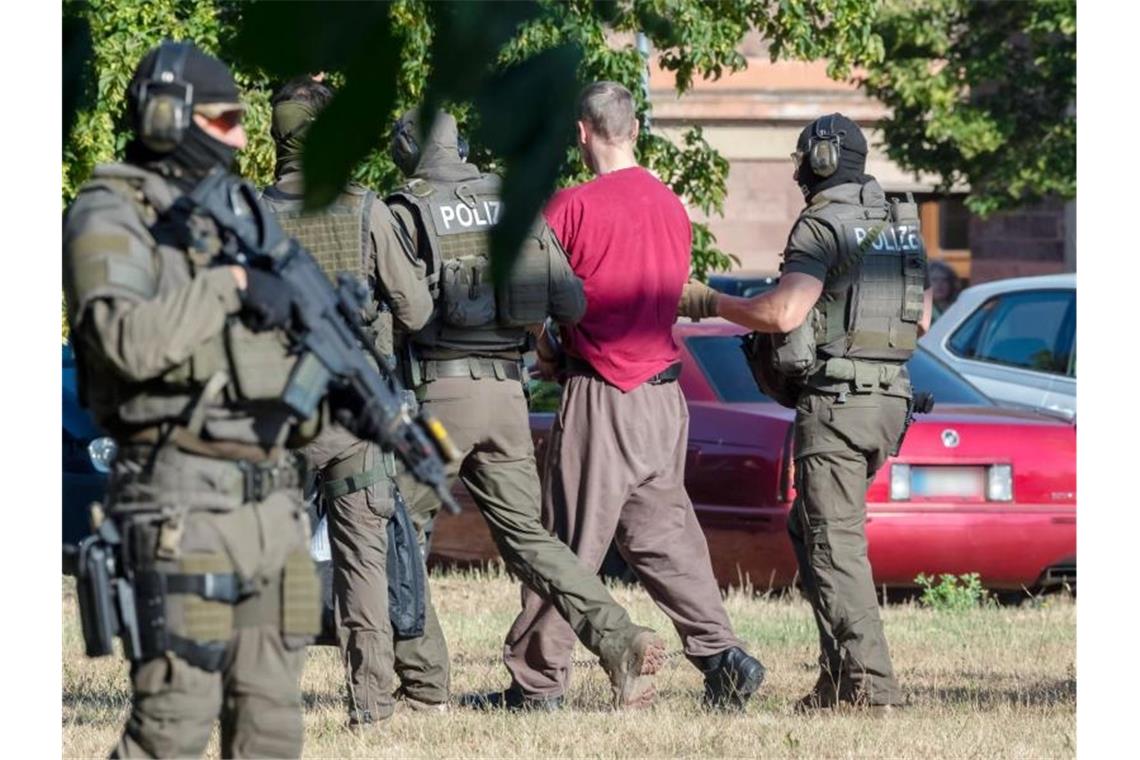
646	656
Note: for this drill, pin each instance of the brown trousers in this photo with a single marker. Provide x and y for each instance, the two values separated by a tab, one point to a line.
616	468
358	523
487	420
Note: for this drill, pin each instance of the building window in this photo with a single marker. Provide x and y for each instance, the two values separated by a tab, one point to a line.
953	224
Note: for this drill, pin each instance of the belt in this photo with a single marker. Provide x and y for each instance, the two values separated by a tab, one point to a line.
576	366
260	479
473	367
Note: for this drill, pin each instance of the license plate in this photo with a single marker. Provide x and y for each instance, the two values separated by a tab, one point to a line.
948	481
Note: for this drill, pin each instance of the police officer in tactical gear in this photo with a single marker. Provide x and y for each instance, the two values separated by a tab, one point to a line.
183	363
466	368
851	303
357	234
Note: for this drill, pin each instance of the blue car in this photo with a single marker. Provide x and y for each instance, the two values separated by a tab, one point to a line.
87	456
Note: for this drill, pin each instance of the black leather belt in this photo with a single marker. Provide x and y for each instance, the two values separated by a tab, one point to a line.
473	367
576	366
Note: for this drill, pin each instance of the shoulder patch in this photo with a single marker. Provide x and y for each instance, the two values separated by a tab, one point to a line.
105	255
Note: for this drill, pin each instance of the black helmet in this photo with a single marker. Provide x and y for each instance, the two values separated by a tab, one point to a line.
171	82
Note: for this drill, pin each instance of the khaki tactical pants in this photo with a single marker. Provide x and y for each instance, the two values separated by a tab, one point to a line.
616	467
839	448
256	694
358	522
487	419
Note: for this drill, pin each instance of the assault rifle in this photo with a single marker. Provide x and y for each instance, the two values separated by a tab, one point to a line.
325	329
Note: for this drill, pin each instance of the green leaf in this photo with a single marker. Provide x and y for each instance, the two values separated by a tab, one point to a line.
289	39
77	52
531	140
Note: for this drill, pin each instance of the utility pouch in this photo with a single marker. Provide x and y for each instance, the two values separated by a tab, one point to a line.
905	215
206	619
300	596
759	353
914	276
793	353
407	584
261	362
468	293
523	296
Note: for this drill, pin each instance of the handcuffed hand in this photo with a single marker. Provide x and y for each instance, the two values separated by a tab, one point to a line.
697	301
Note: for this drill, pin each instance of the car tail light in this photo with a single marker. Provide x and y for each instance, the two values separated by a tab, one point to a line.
788	475
900	482
999	482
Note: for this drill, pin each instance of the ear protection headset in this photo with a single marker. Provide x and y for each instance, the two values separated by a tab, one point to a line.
824	146
402	132
166	101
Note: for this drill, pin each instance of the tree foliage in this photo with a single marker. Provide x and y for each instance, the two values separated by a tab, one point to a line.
981	91
510	73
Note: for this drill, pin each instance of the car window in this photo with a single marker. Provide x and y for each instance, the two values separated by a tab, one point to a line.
722	362
929	374
965	339
1031	329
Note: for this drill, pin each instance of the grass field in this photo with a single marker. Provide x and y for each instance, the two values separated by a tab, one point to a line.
986	683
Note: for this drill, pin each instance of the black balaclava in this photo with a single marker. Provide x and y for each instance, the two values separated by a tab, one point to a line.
197	153
852	157
295	108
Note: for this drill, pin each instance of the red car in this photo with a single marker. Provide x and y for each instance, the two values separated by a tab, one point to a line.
976	488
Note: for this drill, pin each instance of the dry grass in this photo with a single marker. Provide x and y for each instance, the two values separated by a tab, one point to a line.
996	682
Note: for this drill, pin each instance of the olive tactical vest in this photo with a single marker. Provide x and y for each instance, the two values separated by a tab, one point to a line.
337	235
872	299
454	222
234	367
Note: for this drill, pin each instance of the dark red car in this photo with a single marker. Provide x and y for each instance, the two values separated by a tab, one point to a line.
976	488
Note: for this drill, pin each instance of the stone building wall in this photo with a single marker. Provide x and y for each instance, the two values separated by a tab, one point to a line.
753	117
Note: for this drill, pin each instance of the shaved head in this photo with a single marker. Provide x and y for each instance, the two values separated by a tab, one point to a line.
607	108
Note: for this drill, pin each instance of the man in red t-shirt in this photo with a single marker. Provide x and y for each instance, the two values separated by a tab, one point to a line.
616	461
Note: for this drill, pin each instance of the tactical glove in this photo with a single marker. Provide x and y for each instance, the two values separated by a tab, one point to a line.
697	301
267	301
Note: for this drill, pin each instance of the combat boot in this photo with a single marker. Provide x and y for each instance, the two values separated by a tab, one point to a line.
362	721
731	677
631	669
512	700
823	696
842	696
405	701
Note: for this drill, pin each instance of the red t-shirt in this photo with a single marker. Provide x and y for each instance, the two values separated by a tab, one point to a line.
629	240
